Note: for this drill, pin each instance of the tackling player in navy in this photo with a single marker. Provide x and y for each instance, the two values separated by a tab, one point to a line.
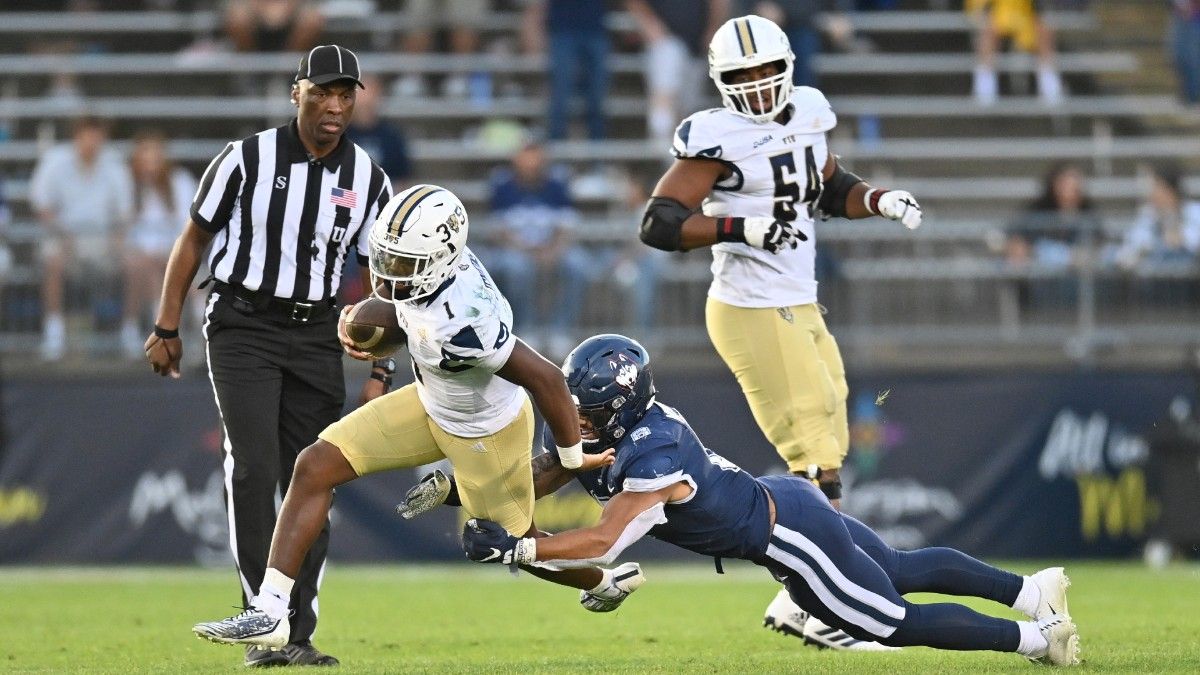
665	483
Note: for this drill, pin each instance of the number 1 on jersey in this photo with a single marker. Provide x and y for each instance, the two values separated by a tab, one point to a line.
787	185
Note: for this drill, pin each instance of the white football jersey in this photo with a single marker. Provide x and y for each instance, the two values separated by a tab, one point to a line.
458	337
776	171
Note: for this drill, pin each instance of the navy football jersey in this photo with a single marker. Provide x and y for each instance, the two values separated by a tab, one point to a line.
727	514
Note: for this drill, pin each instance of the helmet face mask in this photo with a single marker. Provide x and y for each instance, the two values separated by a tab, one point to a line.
749	42
611	382
415	243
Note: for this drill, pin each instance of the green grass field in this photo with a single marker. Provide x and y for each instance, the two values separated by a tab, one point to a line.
461	618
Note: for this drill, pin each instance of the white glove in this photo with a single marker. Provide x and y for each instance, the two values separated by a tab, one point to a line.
771	235
902	206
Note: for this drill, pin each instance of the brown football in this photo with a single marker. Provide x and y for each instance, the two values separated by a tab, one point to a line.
371	325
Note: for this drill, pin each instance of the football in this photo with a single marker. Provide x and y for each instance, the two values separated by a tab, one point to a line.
372	326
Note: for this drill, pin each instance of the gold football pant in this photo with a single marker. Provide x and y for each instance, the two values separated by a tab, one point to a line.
791	373
493	472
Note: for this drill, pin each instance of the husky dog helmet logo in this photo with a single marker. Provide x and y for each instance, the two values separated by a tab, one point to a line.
627	372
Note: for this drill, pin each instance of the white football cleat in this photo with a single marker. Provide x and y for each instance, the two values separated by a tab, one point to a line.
1062	638
1053	584
251	627
785	616
822	636
626	579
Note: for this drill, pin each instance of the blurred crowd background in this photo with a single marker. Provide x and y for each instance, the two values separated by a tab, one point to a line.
1053	145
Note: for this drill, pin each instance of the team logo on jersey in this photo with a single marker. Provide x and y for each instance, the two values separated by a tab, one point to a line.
764	140
343	197
711	153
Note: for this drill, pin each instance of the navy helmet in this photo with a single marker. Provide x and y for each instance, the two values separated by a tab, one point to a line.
610	380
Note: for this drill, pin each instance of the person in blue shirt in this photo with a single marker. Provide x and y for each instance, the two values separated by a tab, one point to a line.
665	483
533	220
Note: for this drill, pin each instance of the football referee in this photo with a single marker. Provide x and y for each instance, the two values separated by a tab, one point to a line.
282	210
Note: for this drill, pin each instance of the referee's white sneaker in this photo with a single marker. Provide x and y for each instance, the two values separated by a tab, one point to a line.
626	579
251	627
1053	584
785	616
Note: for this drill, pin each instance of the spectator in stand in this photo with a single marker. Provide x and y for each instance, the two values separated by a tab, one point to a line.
462	19
162	194
1054	233
1020	22
1185	46
532	222
1167	228
634	267
676	35
83	196
572	35
273	25
801	21
384	141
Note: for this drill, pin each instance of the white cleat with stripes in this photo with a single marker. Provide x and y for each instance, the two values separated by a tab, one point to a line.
819	635
1062	640
785	616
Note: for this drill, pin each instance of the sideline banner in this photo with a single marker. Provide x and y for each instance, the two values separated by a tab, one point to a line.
1013	465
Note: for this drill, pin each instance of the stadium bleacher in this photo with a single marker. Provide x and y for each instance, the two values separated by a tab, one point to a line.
972	167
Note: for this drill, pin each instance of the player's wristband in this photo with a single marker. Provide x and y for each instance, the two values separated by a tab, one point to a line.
571	457
382	377
165	333
525	552
871	200
731	229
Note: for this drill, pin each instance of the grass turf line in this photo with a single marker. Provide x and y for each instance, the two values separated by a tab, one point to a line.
459	618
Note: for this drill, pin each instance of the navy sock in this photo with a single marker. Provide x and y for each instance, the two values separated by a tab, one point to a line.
950	626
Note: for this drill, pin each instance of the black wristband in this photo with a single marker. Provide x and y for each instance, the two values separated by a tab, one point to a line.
165	333
385	379
731	229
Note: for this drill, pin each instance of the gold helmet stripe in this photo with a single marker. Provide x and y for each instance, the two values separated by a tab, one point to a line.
396	225
745	37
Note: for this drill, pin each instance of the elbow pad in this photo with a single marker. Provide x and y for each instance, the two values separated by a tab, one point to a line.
662	224
837	189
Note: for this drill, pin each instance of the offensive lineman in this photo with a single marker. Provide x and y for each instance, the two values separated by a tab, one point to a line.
667	484
750	179
467	405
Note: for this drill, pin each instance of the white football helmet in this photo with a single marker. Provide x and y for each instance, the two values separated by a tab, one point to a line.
415	243
746	42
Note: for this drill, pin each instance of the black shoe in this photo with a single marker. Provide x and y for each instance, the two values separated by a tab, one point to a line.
305	654
257	657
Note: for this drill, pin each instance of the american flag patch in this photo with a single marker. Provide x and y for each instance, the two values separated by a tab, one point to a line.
343	197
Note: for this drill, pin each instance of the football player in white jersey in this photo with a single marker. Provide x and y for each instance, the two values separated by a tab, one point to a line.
751	179
468	405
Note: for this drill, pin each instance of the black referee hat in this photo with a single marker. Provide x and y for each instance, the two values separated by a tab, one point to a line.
326	63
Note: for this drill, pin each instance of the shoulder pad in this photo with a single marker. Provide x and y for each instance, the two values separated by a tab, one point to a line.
698	136
813	112
646	468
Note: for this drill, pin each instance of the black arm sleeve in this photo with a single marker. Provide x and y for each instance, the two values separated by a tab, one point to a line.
837	189
662	223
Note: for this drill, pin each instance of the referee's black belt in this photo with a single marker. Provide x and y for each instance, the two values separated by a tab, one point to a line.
259	302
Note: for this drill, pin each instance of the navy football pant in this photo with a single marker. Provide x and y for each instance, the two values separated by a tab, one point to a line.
842	573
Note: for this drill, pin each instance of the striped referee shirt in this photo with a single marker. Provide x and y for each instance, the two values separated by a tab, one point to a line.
285	222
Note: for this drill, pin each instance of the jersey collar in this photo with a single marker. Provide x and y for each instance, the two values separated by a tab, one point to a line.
428	300
297	153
